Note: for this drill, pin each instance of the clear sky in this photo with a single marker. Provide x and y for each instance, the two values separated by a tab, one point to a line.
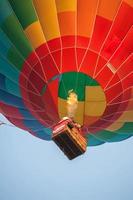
32	169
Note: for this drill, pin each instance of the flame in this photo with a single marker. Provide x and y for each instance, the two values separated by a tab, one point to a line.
72	103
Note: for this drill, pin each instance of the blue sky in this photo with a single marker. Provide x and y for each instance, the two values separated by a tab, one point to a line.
31	168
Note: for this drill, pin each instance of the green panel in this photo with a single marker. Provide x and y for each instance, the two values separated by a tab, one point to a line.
91	82
126	129
77	82
15	58
105	135
119	138
14	32
93	141
108	136
24	11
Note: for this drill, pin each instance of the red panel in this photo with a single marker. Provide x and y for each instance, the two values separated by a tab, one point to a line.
53	88
54	44
68	60
123	96
38	81
104	76
18	123
41	113
68	41
49	67
82	42
99	65
29	99
32	59
112	46
125	49
24	78
29	92
113	92
122	72
127	81
101	29
114	80
13	115
121	26
80	55
57	58
126	68
89	63
42	50
50	104
89	120
10	111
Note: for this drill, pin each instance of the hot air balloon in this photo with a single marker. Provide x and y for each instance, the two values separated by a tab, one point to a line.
50	48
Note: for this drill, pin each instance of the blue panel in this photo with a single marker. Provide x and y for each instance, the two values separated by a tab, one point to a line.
5	44
12	88
26	114
11	99
5	10
12	77
2	82
38	129
43	135
8	70
8	86
35	126
92	141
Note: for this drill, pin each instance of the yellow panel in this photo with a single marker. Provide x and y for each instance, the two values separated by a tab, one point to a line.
94	93
62	106
86	12
129	2
66	5
125	117
94	108
35	34
46	11
115	126
62	109
108	9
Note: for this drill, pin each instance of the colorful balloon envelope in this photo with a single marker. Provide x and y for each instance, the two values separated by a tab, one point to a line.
51	47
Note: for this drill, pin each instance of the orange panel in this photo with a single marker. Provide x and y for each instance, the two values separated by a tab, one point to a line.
67	23
86	12
129	2
108	9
